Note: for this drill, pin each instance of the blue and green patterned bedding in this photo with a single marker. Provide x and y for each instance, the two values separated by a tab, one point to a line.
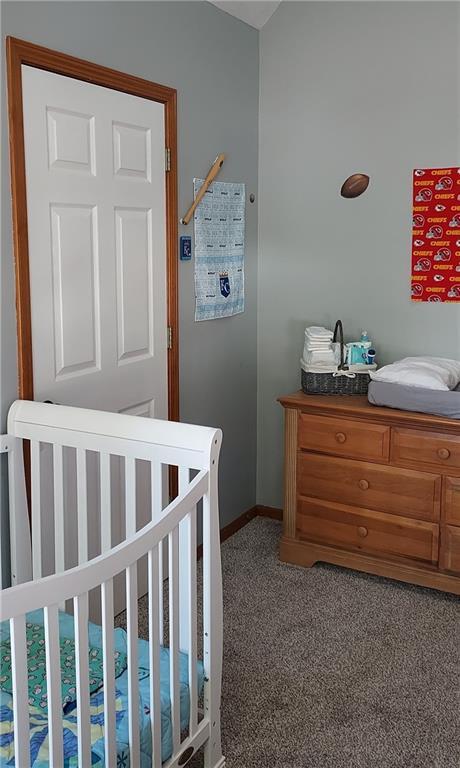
36	665
39	723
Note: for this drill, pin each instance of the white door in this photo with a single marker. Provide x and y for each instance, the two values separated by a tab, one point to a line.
95	173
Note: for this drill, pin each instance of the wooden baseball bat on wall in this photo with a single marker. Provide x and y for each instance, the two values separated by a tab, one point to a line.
214	170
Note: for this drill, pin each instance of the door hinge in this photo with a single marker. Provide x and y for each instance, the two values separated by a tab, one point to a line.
170	337
167	158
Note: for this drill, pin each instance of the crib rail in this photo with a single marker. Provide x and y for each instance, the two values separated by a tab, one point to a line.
184	444
83	468
32	595
195	451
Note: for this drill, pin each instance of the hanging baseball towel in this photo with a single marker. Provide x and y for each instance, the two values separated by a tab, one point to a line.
219	250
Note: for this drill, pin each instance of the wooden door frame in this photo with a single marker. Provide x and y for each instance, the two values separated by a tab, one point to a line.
20	52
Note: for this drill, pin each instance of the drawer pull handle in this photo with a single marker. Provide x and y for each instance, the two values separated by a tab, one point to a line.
340	437
364	484
443	453
362	531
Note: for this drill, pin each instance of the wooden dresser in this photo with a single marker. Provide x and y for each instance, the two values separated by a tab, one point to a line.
374	489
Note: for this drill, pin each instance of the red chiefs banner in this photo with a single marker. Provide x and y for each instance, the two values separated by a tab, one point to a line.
436	235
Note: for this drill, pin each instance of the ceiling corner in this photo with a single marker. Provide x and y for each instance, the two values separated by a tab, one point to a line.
256	13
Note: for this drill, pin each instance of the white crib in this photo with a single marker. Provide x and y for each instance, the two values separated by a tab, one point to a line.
83	442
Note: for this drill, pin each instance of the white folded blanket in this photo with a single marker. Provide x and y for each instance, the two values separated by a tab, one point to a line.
317	367
426	372
318	347
320	356
317	342
318	332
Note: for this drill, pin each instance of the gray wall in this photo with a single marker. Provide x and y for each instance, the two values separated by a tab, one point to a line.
212	60
347	87
343	87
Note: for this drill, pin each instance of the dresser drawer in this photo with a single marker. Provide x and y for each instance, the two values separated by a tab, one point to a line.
344	437
374	486
415	447
449	557
370	532
451	502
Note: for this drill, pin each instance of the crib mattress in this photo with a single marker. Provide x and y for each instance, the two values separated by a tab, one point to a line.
437	402
39	722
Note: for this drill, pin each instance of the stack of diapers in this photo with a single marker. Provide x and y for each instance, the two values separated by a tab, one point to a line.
317	350
424	384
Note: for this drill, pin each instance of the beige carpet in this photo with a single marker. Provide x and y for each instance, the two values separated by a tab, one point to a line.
328	668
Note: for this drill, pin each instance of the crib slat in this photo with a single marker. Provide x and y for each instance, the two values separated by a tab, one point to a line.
58	479
131	615
188	598
192	654
154	654
36	509
82	506
80	604
184	550
160	588
20	690
19	522
133	673
157	506
130	496
173	539
53	684
157	488
106	511
109	674
192	657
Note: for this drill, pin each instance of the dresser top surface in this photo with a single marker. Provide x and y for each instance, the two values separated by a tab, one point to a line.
358	406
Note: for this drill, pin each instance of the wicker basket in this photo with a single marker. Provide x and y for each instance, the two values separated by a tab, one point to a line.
339	382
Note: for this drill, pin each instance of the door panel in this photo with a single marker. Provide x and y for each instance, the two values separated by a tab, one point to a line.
75	290
71	140
134	284
131	151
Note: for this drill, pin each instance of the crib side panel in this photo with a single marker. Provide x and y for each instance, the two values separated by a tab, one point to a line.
88	571
167	528
83	484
